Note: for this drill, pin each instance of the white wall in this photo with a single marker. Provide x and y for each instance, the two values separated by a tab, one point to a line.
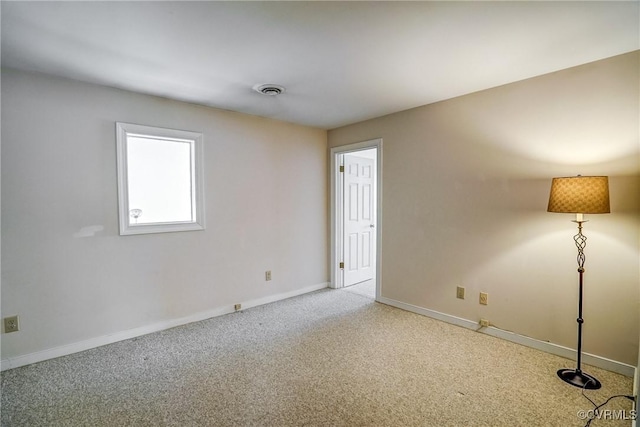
466	185
69	275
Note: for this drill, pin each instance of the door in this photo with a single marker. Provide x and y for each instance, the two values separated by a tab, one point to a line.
359	219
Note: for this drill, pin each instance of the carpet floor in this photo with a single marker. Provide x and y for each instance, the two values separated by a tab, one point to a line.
327	358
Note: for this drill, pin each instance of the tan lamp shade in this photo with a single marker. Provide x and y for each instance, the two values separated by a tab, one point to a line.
580	194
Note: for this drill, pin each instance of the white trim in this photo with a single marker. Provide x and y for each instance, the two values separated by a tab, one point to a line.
335	197
337	276
547	347
64	350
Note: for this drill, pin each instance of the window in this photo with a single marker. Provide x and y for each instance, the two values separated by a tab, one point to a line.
160	181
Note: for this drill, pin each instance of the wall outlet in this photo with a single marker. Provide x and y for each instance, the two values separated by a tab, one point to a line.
484	323
267	275
460	292
237	307
484	298
11	324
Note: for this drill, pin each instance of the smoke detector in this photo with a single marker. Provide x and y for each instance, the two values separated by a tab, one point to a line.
269	89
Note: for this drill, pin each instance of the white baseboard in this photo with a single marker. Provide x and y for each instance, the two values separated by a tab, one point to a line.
27	359
558	350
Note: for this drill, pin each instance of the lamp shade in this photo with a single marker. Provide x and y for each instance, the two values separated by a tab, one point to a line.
579	194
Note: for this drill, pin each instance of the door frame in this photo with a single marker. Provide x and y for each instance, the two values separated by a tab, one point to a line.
336	198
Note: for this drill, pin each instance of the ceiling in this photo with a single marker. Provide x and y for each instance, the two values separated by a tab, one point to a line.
340	62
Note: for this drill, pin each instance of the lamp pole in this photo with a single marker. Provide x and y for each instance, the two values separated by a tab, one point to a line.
575	376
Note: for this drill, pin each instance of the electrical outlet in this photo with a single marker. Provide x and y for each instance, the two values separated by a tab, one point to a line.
460	292
237	306
484	298
484	323
267	275
11	324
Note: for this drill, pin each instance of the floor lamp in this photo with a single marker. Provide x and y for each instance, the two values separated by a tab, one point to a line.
580	195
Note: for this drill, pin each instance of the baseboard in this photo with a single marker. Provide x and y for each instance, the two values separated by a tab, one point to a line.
558	350
64	350
283	295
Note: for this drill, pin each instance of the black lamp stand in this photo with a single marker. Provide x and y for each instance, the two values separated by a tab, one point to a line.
576	377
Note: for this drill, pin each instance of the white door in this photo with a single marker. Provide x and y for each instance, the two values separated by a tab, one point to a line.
359	219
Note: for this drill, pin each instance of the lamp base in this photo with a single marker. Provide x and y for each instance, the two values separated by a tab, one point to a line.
579	379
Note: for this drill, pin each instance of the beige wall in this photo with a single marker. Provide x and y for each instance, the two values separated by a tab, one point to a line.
466	183
266	204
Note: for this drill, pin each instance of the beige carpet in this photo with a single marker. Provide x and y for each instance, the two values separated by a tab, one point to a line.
329	358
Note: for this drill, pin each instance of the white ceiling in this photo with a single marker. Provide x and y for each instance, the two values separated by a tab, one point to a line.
341	62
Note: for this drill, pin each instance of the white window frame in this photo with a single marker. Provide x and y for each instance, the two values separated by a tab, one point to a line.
195	139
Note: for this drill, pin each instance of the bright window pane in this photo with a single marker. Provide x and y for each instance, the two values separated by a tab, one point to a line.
159	173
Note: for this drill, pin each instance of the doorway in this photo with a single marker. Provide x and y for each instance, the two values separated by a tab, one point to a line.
356	201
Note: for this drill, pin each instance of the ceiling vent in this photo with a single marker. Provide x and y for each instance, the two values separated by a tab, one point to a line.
269	89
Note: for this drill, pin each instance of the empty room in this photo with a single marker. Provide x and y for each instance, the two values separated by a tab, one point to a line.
320	213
